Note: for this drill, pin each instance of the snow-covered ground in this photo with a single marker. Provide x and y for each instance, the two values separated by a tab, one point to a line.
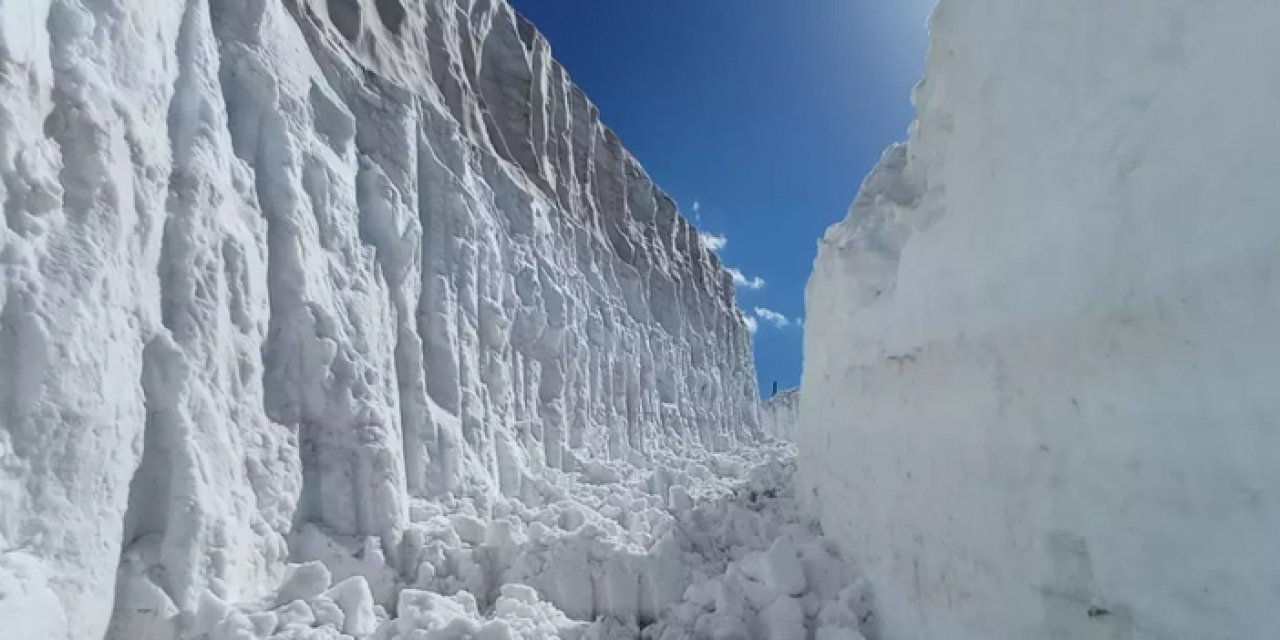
706	546
1041	359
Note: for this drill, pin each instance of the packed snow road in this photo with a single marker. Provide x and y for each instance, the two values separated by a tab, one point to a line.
704	546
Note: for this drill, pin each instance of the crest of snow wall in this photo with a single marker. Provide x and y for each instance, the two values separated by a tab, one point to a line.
270	262
1041	358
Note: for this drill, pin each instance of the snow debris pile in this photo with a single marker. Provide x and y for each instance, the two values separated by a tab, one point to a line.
336	280
682	548
1041	355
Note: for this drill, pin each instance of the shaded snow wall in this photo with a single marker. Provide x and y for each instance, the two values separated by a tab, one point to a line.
269	262
1041	357
779	414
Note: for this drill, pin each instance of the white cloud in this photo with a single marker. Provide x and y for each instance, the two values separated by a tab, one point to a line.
773	317
712	241
755	282
751	323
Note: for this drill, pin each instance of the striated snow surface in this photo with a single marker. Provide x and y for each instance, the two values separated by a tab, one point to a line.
337	280
1041	357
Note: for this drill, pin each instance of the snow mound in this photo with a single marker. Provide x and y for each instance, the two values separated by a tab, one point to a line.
1040	353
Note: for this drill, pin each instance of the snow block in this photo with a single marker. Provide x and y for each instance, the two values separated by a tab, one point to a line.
356	601
303	582
783	570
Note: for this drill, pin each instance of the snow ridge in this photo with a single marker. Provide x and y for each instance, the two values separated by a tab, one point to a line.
273	272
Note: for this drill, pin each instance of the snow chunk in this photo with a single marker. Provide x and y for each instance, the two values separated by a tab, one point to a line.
294	614
470	529
303	582
783	569
356	601
597	472
327	612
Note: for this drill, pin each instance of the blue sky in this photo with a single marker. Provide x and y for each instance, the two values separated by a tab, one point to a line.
760	117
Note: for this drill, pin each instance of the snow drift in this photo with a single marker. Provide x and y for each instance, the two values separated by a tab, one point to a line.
1040	386
271	268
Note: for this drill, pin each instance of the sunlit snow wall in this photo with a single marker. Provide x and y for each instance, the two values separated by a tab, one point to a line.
267	263
1042	358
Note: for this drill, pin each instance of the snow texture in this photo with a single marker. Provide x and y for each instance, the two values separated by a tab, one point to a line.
728	555
277	276
1040	353
780	414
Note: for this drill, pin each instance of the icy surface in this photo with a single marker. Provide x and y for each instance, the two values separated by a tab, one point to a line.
276	277
1041	355
779	414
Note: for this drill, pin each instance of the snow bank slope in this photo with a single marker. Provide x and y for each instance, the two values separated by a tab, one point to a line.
266	263
1041	357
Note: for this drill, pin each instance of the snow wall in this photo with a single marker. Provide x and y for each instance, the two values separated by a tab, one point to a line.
273	262
1042	370
779	414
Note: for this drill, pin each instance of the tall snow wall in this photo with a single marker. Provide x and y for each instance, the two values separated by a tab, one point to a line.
779	414
273	262
1042	370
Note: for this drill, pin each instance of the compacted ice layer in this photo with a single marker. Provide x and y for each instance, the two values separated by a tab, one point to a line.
270	267
1040	354
709	546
